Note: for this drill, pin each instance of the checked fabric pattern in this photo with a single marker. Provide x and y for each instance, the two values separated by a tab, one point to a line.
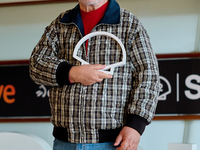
83	110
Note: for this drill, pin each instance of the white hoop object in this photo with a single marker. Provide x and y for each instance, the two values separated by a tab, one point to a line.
112	66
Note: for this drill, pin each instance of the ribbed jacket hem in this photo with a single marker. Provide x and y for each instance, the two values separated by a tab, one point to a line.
104	135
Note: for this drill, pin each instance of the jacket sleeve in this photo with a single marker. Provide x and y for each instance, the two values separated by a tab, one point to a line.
45	68
145	91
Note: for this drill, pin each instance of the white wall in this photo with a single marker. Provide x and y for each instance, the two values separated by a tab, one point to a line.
173	26
22	26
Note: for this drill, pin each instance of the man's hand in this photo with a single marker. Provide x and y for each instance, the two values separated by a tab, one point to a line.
129	139
88	74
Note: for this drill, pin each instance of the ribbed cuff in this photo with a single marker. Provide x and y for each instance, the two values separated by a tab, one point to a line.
62	73
136	122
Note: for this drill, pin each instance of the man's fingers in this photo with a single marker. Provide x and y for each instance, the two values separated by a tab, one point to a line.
103	75
124	145
131	148
99	66
88	74
118	140
129	139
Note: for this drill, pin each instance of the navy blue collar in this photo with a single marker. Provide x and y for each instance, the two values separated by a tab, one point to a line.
111	16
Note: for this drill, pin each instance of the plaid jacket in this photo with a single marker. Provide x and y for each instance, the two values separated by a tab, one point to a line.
84	110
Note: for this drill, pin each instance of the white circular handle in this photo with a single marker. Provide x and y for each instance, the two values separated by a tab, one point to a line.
112	66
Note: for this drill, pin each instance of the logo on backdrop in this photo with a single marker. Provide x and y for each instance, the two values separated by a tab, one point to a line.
179	87
164	91
7	93
42	92
179	90
192	83
19	95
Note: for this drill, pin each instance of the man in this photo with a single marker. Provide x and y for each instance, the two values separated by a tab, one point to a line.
91	108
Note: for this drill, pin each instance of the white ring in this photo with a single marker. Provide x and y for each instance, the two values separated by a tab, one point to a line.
112	66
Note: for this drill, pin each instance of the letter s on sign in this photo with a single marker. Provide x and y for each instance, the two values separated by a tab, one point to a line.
192	86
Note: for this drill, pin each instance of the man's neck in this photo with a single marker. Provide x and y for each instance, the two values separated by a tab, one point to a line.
92	6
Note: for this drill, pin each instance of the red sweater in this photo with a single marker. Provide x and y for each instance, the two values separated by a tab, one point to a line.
92	18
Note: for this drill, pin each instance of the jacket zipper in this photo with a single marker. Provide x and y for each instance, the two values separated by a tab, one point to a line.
81	92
